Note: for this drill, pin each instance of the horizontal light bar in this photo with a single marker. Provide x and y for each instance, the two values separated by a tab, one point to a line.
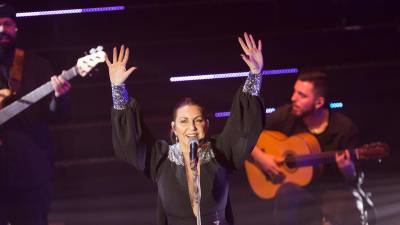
70	11
226	114
333	105
230	75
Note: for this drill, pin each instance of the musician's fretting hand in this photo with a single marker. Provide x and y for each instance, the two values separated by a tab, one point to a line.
253	53
346	165
60	85
268	163
117	68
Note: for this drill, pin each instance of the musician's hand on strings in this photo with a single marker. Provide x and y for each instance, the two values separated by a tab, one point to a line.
269	163
60	85
346	165
253	53
117	68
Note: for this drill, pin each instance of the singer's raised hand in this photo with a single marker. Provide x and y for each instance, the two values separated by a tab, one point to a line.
253	53
117	68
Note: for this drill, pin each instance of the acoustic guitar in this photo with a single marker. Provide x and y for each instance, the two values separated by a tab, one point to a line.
83	66
303	159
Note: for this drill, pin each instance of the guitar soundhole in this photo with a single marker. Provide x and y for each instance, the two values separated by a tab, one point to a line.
290	161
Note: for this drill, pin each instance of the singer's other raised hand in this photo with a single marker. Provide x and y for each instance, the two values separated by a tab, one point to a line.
253	53
117	68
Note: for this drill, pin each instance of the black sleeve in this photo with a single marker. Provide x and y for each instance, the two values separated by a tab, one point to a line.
133	142
242	129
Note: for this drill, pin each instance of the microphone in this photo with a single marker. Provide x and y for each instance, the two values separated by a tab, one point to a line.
193	144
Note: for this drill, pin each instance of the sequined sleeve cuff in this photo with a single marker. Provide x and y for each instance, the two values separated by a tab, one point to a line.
252	86
120	96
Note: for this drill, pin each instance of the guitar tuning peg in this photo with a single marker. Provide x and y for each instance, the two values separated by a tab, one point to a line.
92	51
99	48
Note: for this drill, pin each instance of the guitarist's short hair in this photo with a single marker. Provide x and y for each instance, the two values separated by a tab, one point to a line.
318	78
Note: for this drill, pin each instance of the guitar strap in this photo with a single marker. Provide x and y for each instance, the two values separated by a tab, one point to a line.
16	71
14	82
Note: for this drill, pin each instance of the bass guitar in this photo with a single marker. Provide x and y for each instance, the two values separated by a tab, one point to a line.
83	66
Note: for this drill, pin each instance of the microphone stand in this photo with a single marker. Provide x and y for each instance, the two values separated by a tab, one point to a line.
194	143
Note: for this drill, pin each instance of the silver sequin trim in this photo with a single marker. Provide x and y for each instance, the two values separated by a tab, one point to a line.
252	85
120	96
205	155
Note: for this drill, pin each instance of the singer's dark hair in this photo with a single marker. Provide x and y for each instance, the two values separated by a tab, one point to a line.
184	102
181	103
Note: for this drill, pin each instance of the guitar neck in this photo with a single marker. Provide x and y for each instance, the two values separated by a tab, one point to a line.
29	99
316	159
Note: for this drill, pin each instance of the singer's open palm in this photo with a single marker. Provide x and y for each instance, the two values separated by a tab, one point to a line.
117	68
253	54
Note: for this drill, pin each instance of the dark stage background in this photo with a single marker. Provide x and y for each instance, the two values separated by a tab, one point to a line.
356	42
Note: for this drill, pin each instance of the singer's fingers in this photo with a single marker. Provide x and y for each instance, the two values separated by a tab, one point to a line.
253	43
126	57
248	42
244	47
121	53
245	59
114	54
108	61
130	70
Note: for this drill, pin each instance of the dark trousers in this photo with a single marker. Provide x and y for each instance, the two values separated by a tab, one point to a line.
296	206
24	206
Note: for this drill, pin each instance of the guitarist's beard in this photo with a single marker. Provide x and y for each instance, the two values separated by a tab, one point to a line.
7	53
301	113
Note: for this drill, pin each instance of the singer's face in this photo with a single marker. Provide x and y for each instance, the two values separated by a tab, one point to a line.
189	122
8	30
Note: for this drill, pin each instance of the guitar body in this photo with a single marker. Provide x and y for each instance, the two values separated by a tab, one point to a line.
278	144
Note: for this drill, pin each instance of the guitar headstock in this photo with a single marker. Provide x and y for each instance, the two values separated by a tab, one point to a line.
88	62
375	150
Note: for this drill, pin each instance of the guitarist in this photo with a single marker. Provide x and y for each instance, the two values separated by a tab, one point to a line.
25	148
328	199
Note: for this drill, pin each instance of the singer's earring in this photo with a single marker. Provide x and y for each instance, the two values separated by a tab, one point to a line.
176	139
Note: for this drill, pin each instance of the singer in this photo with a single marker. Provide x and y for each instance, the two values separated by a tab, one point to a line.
169	165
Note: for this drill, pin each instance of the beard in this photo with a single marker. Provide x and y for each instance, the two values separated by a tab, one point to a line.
7	40
298	112
7	47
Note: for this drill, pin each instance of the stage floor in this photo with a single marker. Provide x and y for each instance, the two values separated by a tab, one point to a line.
113	193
